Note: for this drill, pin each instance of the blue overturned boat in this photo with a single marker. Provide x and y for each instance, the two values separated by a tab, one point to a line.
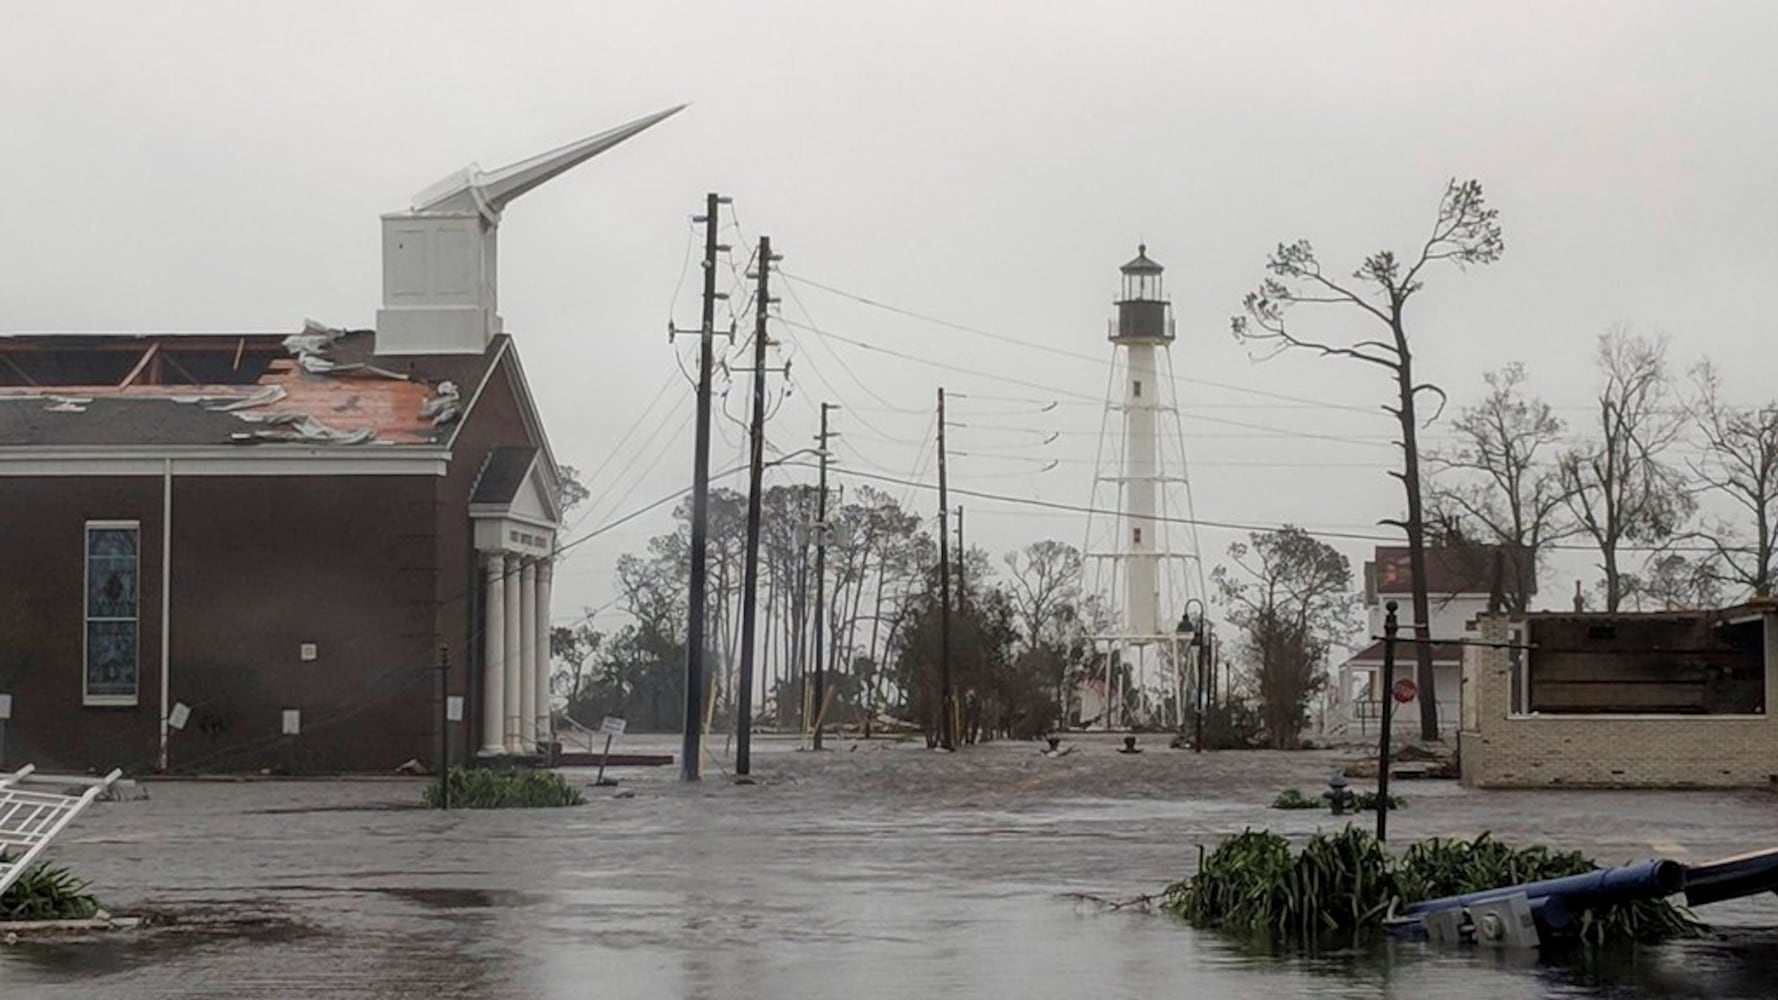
1525	916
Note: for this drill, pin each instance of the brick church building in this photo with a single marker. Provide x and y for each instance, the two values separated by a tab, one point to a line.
253	552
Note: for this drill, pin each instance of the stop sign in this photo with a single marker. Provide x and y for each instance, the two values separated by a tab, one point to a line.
1405	690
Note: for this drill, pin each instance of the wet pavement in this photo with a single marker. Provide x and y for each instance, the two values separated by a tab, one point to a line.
873	870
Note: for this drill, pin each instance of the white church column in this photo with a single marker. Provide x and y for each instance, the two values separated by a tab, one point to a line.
514	652
493	655
528	657
545	728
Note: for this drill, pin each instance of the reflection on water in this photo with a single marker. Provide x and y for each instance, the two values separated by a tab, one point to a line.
864	874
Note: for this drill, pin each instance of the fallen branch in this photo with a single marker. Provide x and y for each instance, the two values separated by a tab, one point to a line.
1139	902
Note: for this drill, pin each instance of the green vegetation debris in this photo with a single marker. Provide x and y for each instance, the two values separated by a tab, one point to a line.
479	788
1290	798
1342	884
47	892
1367	801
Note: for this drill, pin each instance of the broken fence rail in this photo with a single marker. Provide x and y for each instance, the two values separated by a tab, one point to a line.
31	818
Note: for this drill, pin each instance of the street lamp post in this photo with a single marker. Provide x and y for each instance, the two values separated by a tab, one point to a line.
1205	642
1196	627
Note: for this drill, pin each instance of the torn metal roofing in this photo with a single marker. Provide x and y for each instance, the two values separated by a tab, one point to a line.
319	387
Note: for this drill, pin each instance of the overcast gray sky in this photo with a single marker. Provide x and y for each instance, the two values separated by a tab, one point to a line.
221	167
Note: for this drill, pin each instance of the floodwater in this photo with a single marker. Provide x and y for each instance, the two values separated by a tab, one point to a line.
882	870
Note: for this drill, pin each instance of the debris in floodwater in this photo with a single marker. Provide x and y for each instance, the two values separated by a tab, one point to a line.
1347	883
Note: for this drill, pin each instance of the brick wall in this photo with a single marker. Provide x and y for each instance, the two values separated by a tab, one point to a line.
1500	750
260	566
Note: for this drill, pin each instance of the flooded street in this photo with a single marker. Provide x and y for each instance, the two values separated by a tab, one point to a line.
880	871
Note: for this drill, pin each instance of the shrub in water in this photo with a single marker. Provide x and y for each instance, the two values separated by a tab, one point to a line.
1343	883
1252	884
479	788
1367	801
47	893
1290	798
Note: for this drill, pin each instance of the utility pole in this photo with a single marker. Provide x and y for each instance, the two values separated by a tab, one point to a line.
691	746
1391	625
961	730
799	677
946	735
755	472
821	577
962	567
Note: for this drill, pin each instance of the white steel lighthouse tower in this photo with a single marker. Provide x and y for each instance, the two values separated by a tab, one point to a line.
1141	548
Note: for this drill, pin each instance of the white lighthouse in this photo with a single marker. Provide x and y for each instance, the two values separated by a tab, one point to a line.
1141	548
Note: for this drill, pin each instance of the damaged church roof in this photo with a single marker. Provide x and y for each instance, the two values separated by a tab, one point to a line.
321	387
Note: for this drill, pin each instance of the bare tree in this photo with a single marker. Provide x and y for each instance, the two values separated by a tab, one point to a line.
1671	582
1499	484
1465	232
1740	461
1045	577
1045	583
1618	487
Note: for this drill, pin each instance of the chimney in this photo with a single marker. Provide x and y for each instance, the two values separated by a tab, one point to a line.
1580	603
440	273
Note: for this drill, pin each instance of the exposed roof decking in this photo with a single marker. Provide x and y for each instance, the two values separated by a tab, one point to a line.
341	396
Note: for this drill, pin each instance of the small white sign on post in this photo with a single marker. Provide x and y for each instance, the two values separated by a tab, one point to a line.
454	708
612	725
179	716
293	721
5	706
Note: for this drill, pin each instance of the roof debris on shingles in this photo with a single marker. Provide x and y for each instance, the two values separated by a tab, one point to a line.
319	387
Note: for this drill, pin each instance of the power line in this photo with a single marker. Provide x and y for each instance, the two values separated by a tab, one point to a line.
630	432
1071	508
809	318
1062	352
659	455
1310	435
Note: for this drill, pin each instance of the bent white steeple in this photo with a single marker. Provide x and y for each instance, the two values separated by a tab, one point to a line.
440	260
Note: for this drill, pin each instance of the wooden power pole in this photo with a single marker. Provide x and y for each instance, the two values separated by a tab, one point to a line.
947	735
820	532
691	745
755	474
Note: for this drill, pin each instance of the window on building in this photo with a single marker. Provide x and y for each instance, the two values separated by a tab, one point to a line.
1136	388
1136	536
112	619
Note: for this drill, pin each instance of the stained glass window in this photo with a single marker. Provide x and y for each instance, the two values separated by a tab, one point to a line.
112	626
